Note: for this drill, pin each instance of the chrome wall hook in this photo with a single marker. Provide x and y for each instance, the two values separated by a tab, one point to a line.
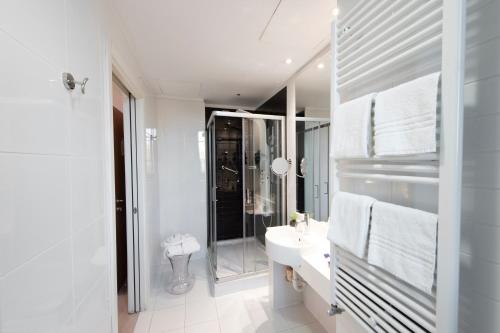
70	83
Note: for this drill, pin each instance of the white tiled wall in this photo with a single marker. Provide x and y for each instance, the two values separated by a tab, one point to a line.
480	253
53	256
181	126
151	195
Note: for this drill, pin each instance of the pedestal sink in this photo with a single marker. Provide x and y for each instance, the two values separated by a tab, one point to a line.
285	246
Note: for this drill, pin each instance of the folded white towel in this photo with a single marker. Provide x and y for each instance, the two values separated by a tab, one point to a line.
174	238
173	250
405	118
190	245
350	222
403	242
177	244
352	128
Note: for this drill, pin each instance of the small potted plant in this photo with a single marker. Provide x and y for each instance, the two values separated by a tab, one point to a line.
293	219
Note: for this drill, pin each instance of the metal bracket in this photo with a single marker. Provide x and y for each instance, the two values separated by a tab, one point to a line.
70	83
335	310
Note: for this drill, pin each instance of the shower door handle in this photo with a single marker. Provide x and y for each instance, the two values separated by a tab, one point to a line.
316	191
214	192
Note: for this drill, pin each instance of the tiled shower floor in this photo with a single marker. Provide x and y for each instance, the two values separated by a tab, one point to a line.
230	257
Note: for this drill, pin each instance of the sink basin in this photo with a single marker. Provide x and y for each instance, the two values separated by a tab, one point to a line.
285	246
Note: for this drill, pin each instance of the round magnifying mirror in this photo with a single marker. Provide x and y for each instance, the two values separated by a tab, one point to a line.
280	166
303	166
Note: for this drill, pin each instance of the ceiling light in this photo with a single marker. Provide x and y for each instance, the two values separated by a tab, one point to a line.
288	61
321	65
335	11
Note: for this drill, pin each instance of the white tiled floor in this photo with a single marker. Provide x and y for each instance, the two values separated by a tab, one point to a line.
243	312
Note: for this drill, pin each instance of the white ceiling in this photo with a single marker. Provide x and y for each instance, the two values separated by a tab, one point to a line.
214	49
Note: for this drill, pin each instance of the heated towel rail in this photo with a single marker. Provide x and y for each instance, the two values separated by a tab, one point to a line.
377	45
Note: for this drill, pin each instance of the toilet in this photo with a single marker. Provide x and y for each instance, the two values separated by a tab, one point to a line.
178	248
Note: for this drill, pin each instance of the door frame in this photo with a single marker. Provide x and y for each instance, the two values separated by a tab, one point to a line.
113	66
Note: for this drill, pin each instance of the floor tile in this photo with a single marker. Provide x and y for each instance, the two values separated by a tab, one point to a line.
311	328
208	327
236	324
200	312
294	316
230	304
167	300
168	319
200	292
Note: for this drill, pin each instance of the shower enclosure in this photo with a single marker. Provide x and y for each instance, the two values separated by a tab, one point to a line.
312	142
245	197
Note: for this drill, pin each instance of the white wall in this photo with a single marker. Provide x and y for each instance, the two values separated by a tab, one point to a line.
181	156
317	112
53	258
151	192
480	253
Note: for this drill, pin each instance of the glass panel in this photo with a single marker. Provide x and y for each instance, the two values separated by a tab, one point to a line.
312	168
213	199
263	189
245	196
229	193
324	167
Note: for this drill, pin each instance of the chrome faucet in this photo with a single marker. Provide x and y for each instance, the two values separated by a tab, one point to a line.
306	219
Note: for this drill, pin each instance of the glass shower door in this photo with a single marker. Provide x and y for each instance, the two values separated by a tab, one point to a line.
212	198
262	192
244	196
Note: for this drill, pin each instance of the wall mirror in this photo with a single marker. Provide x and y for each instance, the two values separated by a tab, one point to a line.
312	91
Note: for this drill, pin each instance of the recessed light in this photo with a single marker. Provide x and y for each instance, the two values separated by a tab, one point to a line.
335	11
288	61
321	65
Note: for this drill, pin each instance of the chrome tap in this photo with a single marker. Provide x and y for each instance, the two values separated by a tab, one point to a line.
306	219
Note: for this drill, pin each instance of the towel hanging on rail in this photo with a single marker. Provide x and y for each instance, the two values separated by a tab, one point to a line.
403	242
405	118
352	128
350	222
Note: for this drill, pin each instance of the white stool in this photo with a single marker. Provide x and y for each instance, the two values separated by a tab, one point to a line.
178	249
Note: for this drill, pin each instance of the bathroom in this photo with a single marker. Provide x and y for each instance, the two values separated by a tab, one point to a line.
180	166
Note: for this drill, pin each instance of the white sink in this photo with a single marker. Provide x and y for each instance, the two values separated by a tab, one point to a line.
285	246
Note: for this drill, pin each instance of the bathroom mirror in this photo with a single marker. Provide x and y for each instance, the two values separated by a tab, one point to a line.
312	138
280	166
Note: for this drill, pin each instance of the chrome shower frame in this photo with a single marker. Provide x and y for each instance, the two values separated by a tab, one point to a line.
212	196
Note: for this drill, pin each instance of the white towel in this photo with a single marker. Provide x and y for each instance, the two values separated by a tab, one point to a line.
352	128
350	222
403	242
190	245
174	238
178	244
405	118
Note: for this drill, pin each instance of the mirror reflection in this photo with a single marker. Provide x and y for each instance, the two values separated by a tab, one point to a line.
312	138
